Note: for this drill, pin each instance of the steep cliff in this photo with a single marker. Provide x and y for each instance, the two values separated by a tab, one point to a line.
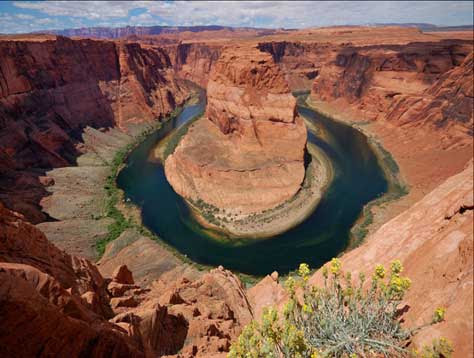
51	90
386	81
61	305
194	61
247	154
433	240
447	104
300	62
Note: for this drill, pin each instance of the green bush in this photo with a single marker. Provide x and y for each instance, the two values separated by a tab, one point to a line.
341	319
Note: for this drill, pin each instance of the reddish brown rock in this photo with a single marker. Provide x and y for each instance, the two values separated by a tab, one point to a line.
265	293
119	289
51	297
123	275
51	90
433	240
406	83
194	61
247	155
22	243
125	301
447	105
50	332
146	258
203	315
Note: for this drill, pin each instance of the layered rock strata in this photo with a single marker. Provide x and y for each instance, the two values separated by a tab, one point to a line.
246	155
194	61
61	305
51	89
401	83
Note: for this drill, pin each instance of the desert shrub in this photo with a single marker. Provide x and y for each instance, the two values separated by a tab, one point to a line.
340	319
440	348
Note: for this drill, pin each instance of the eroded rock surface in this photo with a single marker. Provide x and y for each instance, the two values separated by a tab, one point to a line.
433	240
247	154
413	83
61	304
57	303
51	90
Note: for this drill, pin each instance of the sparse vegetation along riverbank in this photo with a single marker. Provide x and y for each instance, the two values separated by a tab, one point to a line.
397	187
268	223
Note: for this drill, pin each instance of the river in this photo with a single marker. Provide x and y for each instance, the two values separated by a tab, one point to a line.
358	179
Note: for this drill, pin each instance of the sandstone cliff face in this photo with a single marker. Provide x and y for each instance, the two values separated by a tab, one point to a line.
61	305
194	61
247	154
51	90
300	62
433	239
388	81
447	104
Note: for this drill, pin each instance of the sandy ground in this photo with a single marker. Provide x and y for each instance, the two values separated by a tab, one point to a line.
78	196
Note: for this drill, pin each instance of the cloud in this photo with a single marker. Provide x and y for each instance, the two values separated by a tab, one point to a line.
144	19
275	14
87	9
24	17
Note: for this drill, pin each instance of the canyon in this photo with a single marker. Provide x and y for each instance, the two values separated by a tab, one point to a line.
68	105
51	89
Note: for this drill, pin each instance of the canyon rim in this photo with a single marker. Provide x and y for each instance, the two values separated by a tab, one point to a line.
246	131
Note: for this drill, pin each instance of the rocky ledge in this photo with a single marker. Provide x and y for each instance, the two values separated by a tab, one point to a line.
246	157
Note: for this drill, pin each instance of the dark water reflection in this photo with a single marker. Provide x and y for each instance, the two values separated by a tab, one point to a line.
358	180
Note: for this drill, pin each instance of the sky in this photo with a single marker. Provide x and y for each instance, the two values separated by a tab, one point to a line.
28	16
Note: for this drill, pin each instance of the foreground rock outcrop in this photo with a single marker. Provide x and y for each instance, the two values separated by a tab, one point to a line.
61	305
247	154
433	240
51	297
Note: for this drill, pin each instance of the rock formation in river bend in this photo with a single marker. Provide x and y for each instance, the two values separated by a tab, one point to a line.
52	88
247	154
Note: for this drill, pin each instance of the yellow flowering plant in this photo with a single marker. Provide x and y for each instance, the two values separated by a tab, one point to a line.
341	319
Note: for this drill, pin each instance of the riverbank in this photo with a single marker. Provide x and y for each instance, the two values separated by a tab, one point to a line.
414	162
95	221
368	222
324	234
268	223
